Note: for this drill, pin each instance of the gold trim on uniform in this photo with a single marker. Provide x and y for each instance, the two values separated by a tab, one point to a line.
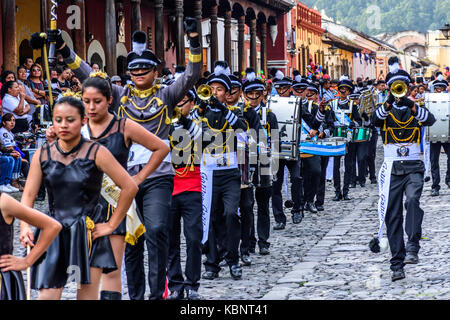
76	64
195	58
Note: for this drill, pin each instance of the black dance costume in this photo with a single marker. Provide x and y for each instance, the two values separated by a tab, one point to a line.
11	282
73	183
113	139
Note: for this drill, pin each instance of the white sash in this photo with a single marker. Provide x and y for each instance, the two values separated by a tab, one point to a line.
207	168
111	193
384	177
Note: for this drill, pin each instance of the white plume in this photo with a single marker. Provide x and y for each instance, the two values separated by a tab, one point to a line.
139	47
298	78
344	77
250	76
440	77
394	68
218	70
279	75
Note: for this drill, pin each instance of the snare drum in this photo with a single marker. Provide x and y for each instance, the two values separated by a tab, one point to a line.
287	110
439	106
340	132
328	147
361	134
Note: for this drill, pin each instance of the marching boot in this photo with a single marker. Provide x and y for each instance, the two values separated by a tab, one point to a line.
110	295
337	197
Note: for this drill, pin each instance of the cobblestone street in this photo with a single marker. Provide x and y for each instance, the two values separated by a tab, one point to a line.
327	256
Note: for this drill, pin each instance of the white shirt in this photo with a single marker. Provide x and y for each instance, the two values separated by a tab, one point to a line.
7	138
10	103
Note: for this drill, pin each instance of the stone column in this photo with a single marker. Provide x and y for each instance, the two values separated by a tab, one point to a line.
111	37
263	39
241	53
214	41
79	35
227	46
180	33
159	31
253	51
9	29
136	17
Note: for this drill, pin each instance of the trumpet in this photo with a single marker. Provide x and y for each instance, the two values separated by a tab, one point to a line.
399	89
176	115
204	92
158	82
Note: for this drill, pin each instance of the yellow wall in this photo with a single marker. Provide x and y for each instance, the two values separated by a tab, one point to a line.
438	50
28	21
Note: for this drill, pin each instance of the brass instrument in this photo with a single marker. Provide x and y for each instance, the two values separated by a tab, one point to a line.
399	89
176	115
158	82
204	92
367	103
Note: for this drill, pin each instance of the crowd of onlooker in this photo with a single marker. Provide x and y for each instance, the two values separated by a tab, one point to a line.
23	93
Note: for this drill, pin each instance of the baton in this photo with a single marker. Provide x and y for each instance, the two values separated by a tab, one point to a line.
28	277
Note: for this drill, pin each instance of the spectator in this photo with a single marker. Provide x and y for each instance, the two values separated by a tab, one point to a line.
13	101
29	97
413	91
76	84
5	77
10	147
116	80
7	162
95	67
27	63
64	75
36	83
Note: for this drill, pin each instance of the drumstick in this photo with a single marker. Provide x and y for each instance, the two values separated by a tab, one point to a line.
28	276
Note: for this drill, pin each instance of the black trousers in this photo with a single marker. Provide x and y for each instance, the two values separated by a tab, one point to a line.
320	198
296	189
225	224
349	163
186	205
246	204
361	155
311	177
372	154
22	125
410	185
262	196
435	152
153	203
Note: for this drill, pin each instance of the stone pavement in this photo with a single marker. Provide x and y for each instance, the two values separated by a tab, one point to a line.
327	256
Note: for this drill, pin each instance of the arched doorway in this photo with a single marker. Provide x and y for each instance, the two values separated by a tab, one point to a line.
25	50
121	65
97	59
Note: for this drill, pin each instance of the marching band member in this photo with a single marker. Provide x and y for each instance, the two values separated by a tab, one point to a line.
283	85
402	171
186	204
219	157
346	113
152	107
247	200
361	148
440	86
312	172
254	94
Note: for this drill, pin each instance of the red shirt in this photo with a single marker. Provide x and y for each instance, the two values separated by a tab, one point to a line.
190	181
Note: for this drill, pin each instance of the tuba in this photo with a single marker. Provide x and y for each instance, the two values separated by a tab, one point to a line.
176	115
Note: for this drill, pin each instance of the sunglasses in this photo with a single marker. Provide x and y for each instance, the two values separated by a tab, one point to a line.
36	70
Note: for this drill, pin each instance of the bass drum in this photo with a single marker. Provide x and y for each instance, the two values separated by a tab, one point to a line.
439	106
287	110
